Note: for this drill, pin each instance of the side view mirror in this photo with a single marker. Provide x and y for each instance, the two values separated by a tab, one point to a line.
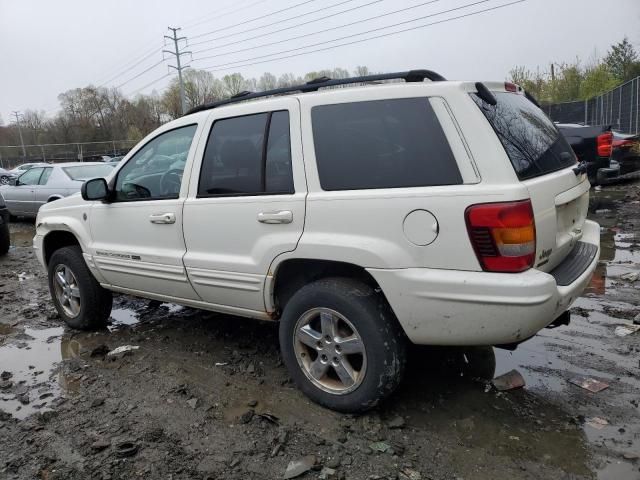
14	182
95	189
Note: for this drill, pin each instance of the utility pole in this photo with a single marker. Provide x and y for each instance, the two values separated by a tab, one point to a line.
17	114
180	67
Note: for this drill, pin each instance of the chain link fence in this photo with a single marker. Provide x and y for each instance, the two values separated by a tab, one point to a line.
619	108
13	155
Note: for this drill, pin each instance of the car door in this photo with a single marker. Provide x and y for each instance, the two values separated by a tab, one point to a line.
20	198
137	241
41	190
246	202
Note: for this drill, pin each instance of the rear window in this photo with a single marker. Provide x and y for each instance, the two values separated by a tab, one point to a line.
381	144
531	140
87	172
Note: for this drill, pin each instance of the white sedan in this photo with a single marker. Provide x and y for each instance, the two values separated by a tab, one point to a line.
42	184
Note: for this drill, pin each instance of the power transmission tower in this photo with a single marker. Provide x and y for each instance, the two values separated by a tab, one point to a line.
179	67
17	114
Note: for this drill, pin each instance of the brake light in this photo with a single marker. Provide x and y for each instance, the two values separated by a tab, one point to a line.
605	144
510	87
503	235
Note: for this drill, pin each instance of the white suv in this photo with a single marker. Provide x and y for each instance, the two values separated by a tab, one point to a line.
440	213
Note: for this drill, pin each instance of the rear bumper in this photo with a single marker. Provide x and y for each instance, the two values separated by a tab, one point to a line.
450	307
609	174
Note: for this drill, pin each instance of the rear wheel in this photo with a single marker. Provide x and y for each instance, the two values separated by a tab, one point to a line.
342	345
80	300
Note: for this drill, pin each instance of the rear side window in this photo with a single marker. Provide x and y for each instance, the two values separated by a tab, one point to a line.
531	140
381	144
249	155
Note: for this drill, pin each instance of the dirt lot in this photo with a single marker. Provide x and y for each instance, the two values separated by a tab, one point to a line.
206	396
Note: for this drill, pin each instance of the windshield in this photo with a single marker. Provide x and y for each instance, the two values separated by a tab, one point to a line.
531	140
86	172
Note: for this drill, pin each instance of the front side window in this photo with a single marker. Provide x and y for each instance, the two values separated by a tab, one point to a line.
249	155
31	176
381	144
155	171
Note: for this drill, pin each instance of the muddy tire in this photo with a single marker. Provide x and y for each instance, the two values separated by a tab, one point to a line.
342	345
79	299
5	239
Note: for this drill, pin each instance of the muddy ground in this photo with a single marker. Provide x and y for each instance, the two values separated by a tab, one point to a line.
206	396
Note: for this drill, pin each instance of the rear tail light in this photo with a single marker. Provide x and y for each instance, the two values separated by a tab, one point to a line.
605	144
503	235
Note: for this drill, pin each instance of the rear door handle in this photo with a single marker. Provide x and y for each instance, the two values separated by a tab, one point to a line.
163	218
280	216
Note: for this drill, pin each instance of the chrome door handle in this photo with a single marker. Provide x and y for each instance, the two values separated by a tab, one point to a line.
281	216
163	218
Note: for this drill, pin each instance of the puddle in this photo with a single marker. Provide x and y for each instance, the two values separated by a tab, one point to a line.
6	329
21	234
123	317
30	357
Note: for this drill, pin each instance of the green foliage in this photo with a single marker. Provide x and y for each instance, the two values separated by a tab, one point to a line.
569	82
622	61
597	80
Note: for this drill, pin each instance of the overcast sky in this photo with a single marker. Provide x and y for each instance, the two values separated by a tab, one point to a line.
48	47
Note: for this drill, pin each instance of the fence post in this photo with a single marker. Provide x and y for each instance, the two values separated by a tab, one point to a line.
44	157
620	108
631	106
114	148
637	102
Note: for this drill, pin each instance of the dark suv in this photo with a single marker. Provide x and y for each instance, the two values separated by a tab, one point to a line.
4	227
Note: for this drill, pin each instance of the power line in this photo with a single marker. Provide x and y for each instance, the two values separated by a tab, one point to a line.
212	69
311	45
253	19
216	13
141	73
128	69
282	21
319	31
151	83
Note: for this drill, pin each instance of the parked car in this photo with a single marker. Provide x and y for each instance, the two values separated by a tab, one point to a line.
5	176
43	184
593	146
626	151
4	227
363	218
20	169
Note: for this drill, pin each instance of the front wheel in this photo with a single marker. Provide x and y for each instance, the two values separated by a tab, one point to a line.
4	180
342	345
80	300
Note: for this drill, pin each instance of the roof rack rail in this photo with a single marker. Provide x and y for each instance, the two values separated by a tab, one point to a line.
322	82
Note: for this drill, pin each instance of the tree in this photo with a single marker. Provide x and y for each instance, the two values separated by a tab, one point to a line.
361	71
622	60
233	84
532	82
597	80
267	81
